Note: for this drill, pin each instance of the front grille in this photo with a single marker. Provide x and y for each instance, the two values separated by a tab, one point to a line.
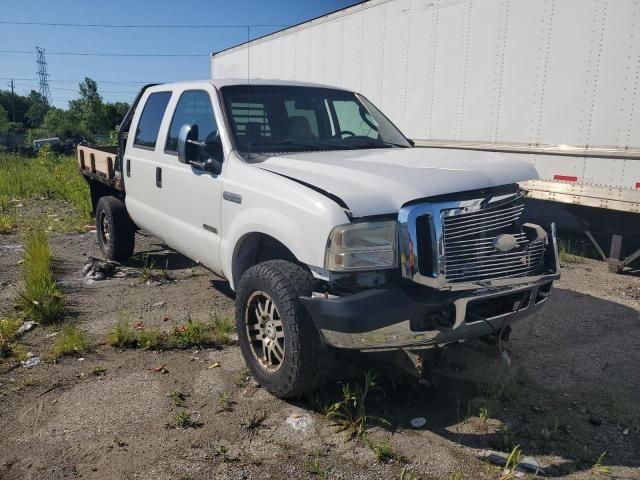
469	252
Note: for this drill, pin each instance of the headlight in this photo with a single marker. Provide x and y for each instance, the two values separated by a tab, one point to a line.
362	246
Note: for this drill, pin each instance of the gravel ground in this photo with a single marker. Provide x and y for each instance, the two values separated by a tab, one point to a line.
570	393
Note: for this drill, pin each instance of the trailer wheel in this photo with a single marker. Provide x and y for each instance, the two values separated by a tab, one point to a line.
279	342
116	232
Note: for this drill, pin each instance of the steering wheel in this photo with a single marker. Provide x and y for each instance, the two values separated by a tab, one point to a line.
344	132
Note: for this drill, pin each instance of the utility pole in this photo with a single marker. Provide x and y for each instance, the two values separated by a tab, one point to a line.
13	101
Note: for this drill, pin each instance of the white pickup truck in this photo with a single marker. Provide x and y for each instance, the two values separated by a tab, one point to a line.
332	230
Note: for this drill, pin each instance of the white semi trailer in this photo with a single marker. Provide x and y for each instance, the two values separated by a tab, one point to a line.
555	81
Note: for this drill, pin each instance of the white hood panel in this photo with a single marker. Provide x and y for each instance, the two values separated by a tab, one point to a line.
374	182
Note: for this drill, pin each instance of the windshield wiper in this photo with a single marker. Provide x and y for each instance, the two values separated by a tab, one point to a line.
380	143
317	145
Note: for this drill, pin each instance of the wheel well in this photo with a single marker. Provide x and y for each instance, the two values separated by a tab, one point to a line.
256	248
98	190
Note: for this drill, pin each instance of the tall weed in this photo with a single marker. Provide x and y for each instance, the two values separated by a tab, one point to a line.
41	298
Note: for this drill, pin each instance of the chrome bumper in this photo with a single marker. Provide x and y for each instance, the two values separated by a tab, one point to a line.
393	318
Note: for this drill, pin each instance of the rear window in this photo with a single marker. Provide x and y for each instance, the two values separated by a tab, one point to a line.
150	120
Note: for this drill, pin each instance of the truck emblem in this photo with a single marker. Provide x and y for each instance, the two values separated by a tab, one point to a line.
505	243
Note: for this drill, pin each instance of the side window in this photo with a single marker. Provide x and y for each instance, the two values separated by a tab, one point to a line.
150	120
194	108
351	120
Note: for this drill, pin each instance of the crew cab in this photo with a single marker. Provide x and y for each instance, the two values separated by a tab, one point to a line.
331	228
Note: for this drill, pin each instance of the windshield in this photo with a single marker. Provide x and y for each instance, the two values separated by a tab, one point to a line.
269	119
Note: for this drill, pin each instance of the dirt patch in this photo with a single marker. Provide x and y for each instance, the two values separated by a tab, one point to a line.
570	393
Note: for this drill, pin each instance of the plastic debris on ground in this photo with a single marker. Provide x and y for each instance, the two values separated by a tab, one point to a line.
26	327
418	422
97	270
31	361
300	422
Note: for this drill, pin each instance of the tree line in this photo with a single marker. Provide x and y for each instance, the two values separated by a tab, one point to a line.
86	116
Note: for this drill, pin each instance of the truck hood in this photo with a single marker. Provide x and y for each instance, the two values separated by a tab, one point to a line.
380	181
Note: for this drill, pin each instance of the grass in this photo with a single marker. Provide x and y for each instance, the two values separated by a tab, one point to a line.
570	251
503	391
7	224
123	335
70	341
48	175
242	377
253	421
350	414
178	398
210	333
225	403
599	466
315	467
385	452
183	420
41	299
222	452
98	371
407	474
149	339
19	352
483	414
8	329
509	472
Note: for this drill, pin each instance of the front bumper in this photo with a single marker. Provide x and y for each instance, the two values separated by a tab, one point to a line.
411	317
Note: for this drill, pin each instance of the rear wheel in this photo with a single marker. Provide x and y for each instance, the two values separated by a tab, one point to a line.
116	232
278	340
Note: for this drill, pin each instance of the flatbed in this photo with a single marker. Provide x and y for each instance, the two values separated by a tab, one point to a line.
99	163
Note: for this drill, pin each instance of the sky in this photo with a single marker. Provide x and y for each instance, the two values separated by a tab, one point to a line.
119	77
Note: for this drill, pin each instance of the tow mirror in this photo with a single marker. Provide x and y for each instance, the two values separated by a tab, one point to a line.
206	156
188	148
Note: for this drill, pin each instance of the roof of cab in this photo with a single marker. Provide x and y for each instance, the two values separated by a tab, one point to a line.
225	82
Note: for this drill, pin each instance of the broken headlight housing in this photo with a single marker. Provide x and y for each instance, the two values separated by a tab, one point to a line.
362	246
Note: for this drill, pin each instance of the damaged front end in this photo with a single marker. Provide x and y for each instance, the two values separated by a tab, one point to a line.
468	269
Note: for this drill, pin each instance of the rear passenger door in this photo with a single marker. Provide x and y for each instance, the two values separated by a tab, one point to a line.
191	197
144	199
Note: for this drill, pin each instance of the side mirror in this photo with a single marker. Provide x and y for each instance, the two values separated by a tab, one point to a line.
411	142
187	150
206	156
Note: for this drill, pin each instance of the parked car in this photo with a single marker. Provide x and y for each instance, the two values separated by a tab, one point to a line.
332	230
58	145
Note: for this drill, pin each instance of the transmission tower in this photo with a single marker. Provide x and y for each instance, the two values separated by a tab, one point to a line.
43	76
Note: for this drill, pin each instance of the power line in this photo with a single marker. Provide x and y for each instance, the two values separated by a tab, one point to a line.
102	54
62	89
82	80
105	25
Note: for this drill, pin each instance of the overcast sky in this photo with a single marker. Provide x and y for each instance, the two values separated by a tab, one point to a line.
66	71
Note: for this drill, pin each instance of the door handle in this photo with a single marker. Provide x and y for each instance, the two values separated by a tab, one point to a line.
158	177
128	167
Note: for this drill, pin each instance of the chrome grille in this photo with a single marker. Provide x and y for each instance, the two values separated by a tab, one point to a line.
468	241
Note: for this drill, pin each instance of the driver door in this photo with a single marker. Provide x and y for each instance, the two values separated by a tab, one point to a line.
191	196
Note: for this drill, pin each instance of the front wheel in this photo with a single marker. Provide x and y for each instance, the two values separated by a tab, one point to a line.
279	342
